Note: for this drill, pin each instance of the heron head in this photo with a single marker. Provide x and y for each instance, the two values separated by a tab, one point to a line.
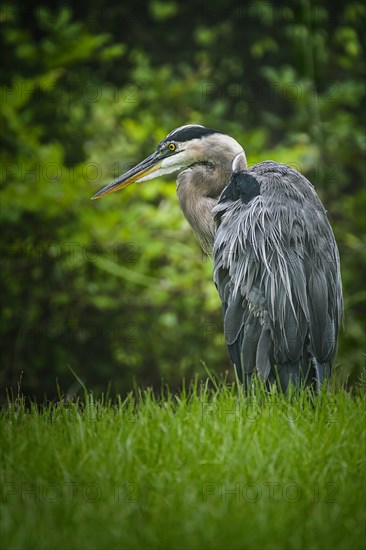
182	148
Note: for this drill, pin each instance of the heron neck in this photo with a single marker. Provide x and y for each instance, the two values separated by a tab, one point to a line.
198	190
200	185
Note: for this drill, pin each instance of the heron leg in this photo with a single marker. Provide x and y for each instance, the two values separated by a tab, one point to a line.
322	373
299	374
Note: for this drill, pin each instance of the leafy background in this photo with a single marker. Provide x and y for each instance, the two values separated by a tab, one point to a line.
118	289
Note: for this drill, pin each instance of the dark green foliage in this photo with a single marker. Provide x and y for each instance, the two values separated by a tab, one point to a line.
118	289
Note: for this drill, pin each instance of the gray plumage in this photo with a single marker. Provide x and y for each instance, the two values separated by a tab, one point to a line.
276	267
275	259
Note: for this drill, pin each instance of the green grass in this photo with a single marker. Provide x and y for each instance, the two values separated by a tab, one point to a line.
209	468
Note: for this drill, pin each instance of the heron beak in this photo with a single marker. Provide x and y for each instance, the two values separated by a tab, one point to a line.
148	166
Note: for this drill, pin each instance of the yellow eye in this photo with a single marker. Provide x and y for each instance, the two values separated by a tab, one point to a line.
172	147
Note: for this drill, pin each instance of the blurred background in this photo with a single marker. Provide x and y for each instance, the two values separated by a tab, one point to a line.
118	289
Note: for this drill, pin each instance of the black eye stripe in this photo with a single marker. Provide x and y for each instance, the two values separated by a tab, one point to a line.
192	132
181	135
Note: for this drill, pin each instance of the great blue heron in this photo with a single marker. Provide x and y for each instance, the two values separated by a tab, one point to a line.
276	262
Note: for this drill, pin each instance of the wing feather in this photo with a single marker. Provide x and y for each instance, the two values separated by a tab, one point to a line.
281	302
